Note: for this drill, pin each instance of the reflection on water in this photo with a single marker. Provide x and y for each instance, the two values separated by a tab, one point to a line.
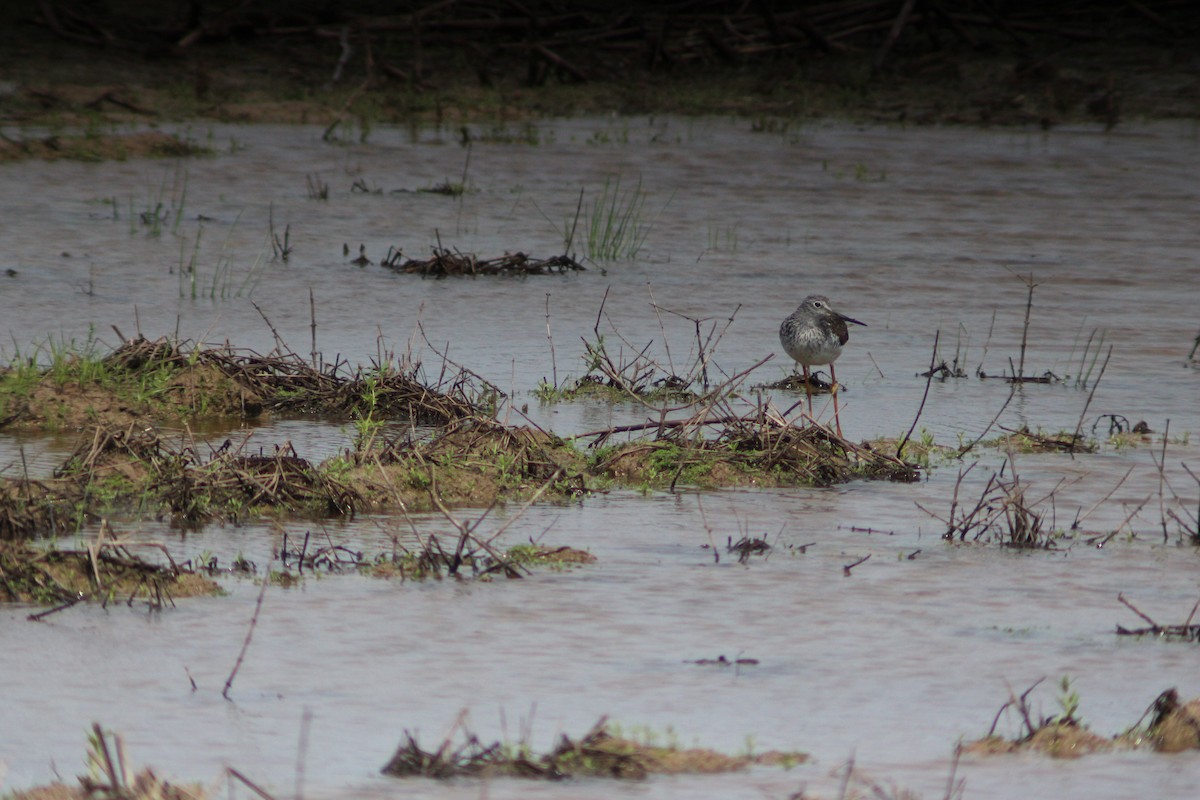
911	231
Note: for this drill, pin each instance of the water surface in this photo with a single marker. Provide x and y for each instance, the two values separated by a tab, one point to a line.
913	231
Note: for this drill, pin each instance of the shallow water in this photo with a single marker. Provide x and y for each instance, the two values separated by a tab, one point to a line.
912	231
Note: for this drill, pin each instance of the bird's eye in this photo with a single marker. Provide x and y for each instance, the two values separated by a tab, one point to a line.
817	304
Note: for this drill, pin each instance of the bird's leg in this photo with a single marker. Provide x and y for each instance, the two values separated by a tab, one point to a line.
807	389
834	390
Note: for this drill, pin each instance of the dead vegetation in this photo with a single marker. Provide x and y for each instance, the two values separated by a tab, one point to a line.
99	147
107	571
756	449
597	754
466	553
111	776
1022	63
699	434
445	262
1027	441
134	470
147	380
1173	727
1187	631
628	372
1003	514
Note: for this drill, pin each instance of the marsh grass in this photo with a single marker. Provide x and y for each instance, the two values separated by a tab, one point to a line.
223	283
615	225
164	205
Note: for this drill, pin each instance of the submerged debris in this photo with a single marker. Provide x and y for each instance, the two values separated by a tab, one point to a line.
1026	441
429	559
747	546
1188	631
722	661
445	262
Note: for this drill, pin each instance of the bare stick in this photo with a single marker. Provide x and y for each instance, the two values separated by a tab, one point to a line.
1192	615
558	473
1025	331
302	751
1162	477
1012	391
312	310
249	784
553	360
928	379
663	330
600	312
279	343
574	223
1091	394
953	789
249	635
708	529
847	567
1086	514
466	166
1134	609
877	369
1023	706
846	778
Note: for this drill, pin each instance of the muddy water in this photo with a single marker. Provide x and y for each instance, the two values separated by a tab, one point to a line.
911	231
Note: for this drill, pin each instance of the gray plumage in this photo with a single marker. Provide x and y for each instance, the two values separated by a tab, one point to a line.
813	335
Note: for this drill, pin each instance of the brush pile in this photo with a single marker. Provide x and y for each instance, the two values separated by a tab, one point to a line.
446	263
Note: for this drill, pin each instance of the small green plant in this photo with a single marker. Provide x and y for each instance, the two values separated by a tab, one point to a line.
367	425
1068	703
163	206
317	188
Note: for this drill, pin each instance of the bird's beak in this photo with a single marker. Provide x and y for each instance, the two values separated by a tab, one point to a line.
851	319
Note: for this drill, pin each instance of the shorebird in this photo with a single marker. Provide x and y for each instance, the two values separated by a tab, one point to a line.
813	334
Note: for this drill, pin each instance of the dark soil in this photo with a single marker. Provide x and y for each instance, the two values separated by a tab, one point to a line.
71	62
